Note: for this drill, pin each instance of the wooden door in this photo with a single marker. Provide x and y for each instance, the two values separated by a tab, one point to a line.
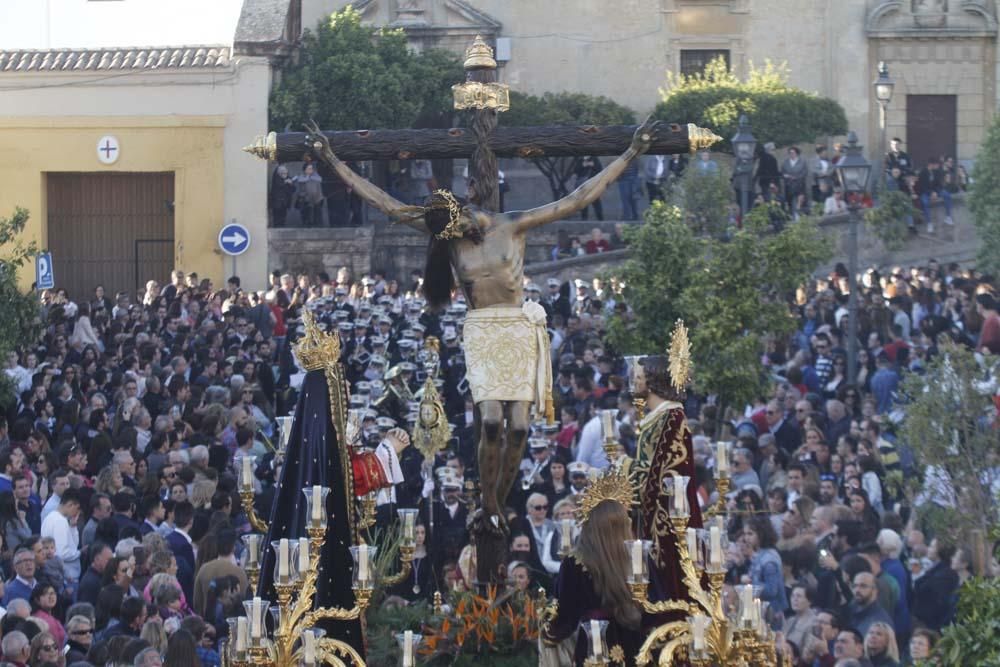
931	127
111	229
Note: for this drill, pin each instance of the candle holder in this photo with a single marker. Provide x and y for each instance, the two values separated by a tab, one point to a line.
251	561
597	648
566	528
408	642
722	485
246	499
316	515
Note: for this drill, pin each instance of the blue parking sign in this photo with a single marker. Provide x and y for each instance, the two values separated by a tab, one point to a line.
44	276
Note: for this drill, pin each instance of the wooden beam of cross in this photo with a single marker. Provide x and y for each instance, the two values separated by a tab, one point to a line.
483	142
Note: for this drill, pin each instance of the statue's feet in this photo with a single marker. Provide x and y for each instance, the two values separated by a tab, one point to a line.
482	522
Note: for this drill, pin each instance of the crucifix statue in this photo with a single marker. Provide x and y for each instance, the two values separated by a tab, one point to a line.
505	339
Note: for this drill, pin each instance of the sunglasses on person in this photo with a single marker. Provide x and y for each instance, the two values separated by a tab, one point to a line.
539	507
82	633
48	647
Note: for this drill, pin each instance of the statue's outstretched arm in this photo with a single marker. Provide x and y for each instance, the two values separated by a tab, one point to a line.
411	216
593	188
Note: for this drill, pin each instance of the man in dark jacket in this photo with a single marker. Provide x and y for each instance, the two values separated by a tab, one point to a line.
934	592
767	169
90	582
180	544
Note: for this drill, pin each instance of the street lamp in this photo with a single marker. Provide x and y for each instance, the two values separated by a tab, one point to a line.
744	146
853	172
883	95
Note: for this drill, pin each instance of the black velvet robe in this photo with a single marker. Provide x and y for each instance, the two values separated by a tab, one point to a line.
579	602
314	457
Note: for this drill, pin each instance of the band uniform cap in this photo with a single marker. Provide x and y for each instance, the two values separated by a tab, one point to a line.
552	282
578	468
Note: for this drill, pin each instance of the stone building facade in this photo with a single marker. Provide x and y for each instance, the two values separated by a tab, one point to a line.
942	53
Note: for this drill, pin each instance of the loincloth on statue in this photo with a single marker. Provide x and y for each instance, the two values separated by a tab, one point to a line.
507	354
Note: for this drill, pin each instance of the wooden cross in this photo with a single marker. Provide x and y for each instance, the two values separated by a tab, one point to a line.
483	142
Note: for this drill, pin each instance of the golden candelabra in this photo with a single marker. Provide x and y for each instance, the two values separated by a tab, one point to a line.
706	635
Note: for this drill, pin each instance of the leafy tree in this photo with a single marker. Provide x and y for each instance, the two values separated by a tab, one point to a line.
351	76
20	320
974	637
779	112
705	200
888	219
948	427
984	201
731	292
563	109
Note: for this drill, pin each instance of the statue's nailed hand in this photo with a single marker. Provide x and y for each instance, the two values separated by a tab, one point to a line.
317	141
647	134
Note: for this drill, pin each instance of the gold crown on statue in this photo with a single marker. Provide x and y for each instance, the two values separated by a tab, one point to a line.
680	356
454	229
316	349
615	484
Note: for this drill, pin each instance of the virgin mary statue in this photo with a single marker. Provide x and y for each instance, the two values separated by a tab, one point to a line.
317	455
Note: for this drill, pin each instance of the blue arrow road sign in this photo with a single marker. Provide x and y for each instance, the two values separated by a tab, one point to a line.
44	277
234	239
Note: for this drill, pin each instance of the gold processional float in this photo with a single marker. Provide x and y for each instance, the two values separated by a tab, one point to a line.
713	633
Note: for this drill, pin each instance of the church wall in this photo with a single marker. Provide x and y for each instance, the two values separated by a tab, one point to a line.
190	123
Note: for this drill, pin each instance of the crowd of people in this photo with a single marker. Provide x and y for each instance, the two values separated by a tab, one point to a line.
120	521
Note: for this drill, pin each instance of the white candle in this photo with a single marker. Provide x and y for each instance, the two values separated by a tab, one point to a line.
247	473
241	634
693	551
595	638
252	546
409	527
637	558
715	546
317	508
256	619
363	564
680	495
303	556
747	602
309	647
698	629
758	617
565	535
721	458
283	560
608	424
408	648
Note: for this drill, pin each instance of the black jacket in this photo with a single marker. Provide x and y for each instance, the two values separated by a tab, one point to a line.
932	596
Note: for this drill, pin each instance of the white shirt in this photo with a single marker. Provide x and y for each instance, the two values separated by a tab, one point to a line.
590	449
50	506
67	540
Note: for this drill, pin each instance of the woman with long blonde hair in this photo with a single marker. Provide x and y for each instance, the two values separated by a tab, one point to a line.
592	586
881	648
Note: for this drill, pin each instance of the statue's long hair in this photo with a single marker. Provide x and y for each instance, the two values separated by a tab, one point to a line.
439	279
658	380
602	550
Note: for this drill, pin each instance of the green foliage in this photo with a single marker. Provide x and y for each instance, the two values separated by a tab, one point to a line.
984	200
778	112
350	76
385	621
562	109
652	278
731	292
974	638
946	426
705	200
888	220
20	320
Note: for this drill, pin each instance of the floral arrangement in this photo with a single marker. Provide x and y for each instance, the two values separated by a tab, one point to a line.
476	626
